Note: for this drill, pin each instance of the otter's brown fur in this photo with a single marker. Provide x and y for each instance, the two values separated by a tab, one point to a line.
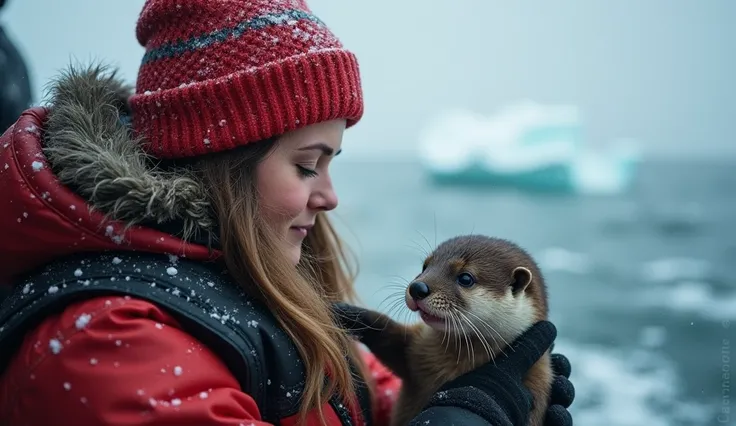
508	296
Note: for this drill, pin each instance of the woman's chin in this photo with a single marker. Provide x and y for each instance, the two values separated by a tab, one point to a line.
295	253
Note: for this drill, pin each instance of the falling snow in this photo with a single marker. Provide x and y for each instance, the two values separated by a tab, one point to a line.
55	346
82	321
171	271
177	371
67	386
110	233
78	273
37	166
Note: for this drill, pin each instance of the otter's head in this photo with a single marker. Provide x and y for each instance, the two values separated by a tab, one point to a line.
479	285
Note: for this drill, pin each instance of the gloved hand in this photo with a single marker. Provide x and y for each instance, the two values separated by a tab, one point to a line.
503	397
562	393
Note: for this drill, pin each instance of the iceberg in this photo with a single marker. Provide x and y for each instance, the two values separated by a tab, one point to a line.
526	145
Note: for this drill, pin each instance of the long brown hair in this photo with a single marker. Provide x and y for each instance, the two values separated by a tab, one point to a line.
298	297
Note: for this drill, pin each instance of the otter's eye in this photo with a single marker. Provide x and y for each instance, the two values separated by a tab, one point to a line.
465	280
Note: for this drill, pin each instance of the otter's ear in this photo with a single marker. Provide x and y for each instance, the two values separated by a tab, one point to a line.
521	278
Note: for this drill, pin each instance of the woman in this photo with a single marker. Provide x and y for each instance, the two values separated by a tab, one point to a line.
170	254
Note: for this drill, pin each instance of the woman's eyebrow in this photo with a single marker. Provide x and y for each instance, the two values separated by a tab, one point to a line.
322	147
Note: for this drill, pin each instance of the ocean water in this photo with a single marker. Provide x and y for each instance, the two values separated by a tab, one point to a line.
641	285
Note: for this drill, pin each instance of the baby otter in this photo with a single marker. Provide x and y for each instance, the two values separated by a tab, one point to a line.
475	295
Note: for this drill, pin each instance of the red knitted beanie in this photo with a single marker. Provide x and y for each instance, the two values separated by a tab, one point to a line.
218	74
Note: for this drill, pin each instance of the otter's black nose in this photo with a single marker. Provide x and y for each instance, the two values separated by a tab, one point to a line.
418	290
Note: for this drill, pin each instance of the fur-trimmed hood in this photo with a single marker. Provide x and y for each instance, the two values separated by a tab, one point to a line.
80	149
90	147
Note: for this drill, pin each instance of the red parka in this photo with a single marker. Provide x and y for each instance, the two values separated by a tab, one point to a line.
108	360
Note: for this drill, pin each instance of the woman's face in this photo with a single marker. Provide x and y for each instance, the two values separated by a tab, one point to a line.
294	183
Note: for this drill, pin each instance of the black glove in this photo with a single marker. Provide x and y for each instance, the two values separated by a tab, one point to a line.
562	393
503	398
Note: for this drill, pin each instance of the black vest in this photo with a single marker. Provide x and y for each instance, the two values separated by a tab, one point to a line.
201	296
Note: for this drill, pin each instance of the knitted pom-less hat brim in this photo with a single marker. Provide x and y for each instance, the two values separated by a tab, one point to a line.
252	105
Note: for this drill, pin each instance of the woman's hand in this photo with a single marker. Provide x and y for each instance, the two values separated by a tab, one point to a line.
563	393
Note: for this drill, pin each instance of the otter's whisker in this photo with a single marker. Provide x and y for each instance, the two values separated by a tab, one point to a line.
455	333
395	308
450	333
402	280
481	337
491	328
393	287
469	339
488	327
395	297
429	246
446	333
408	314
465	338
419	248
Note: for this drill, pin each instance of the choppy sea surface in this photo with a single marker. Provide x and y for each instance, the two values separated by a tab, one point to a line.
642	287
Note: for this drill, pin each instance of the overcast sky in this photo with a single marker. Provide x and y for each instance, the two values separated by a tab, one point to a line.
661	71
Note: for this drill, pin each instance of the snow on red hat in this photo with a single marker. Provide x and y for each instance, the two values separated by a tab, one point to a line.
218	74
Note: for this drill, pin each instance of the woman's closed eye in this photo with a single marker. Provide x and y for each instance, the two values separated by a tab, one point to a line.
306	171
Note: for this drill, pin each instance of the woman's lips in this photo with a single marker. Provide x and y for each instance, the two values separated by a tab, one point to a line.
300	230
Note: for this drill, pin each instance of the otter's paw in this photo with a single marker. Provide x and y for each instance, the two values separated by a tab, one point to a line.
351	318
